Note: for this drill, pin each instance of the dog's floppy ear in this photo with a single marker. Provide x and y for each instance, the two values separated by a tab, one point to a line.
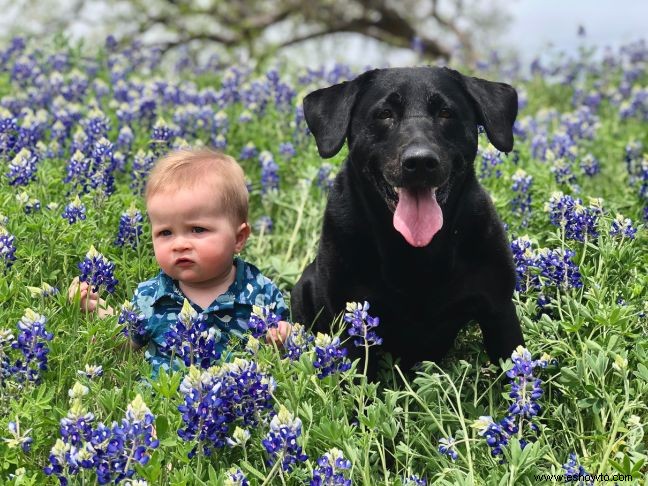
327	112
497	106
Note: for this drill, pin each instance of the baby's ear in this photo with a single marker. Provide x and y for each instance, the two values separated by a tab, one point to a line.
242	234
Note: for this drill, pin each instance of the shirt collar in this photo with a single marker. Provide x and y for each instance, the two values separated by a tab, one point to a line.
167	287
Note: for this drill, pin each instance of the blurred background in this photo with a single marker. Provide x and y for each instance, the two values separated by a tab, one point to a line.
313	33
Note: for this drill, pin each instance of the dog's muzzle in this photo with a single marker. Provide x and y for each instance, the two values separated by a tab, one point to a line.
420	166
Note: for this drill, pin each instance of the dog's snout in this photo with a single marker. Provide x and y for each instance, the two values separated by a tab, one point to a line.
419	161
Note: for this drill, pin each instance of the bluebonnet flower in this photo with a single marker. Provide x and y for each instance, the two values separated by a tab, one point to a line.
29	204
590	165
557	268
217	398
297	342
563	173
331	469
32	343
220	142
133	320
525	391
98	271
191	339
623	227
245	116
91	371
269	172
7	248
235	477
262	319
287	150
6	368
239	438
576	220
22	168
263	225
281	442
96	124
74	211
110	452
521	203
142	164
130	227
575	473
329	357
447	447
125	138
491	160
362	324
19	439
248	151
325	176
162	134
414	480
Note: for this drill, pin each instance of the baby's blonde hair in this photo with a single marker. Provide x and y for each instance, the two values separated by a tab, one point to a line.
186	168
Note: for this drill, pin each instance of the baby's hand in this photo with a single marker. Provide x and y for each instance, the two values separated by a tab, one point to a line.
89	300
279	334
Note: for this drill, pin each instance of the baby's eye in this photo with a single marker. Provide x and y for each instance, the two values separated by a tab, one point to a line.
198	229
165	233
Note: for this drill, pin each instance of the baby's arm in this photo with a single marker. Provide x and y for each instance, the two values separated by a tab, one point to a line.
89	301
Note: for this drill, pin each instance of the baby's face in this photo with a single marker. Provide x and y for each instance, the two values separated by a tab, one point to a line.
194	241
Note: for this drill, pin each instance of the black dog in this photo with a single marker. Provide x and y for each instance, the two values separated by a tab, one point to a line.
407	226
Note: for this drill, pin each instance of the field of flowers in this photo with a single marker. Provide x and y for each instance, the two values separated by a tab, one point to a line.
79	131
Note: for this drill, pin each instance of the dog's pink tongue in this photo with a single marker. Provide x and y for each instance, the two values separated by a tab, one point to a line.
418	216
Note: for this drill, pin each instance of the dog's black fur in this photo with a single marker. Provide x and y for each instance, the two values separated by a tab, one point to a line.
412	129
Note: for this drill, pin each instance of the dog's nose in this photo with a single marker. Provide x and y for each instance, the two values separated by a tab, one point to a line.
419	160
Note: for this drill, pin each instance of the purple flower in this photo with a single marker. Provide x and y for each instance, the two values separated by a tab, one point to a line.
19	439
362	324
7	248
491	159
574	472
98	271
329	357
576	220
297	342
130	228
331	469
32	343
447	447
269	172
22	168
248	151
287	150
281	442
192	339
414	480
262	319
74	211
263	225
235	477
218	398
623	227
133	321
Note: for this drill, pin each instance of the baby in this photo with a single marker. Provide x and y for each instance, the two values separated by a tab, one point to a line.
197	204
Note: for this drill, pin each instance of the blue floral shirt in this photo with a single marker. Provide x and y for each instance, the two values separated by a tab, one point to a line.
160	301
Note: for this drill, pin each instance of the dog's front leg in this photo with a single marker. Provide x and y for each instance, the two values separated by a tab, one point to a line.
502	332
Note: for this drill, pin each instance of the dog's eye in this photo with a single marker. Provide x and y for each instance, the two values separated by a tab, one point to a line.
445	113
384	114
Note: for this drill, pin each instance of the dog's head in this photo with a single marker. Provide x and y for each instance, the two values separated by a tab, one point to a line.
413	133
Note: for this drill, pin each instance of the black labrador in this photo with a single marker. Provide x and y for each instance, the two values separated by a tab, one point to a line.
407	226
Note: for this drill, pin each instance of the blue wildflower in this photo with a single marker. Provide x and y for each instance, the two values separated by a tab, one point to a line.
98	271
576	220
7	248
262	319
263	225
414	480
447	447
91	371
287	150
74	211
191	339
19	439
331	469
297	341
362	324
235	477
623	227
329	357
22	168
575	473
281	442
32	343
133	321
269	172
130	227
